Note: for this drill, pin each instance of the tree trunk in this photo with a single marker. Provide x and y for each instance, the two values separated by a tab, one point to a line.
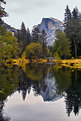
75	50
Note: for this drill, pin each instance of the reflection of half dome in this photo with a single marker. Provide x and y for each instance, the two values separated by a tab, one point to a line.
51	91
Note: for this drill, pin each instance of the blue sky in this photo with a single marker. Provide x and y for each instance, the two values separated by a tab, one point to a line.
31	12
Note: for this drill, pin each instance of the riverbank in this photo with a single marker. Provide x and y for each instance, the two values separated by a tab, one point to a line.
25	61
72	63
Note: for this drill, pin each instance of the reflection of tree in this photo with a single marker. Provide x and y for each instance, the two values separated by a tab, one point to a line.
63	78
36	71
38	77
8	84
24	84
8	80
69	81
73	98
33	77
2	118
39	86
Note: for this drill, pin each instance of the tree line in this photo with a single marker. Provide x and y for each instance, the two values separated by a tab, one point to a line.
23	44
33	45
68	43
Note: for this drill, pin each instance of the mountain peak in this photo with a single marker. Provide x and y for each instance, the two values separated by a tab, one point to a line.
50	25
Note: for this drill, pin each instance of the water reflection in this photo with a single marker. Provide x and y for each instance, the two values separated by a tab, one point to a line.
73	98
51	82
69	81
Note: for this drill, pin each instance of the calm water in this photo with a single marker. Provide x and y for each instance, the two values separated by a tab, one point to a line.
40	92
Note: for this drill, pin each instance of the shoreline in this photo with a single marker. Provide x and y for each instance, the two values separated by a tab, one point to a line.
71	63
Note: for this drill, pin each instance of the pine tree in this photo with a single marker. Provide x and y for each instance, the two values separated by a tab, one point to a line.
28	36
2	12
75	13
23	32
44	43
72	30
35	34
23	35
18	35
24	38
67	15
62	45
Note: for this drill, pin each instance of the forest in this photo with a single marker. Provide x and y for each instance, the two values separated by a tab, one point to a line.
32	45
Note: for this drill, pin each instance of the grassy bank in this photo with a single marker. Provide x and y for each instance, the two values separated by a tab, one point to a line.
72	63
25	61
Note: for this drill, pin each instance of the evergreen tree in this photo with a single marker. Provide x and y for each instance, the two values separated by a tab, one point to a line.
75	13
24	38
62	45
2	12
28	36
44	46
18	35
72	30
8	45
20	42
23	35
35	34
67	15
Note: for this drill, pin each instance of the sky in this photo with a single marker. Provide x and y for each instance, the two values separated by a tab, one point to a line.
31	12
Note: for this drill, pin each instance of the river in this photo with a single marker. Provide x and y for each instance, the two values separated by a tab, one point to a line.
40	92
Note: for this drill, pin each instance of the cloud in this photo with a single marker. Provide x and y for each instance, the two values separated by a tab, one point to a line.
18	7
24	6
32	11
42	3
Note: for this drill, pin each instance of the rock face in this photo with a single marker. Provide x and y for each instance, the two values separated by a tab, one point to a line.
50	25
51	92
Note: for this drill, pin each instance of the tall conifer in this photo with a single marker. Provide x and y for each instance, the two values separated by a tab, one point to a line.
2	11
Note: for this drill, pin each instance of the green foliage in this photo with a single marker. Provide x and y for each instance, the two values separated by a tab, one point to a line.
3	30
8	45
8	81
2	12
24	38
51	50
75	13
67	15
35	34
44	46
40	37
33	51
61	46
36	71
73	31
28	36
